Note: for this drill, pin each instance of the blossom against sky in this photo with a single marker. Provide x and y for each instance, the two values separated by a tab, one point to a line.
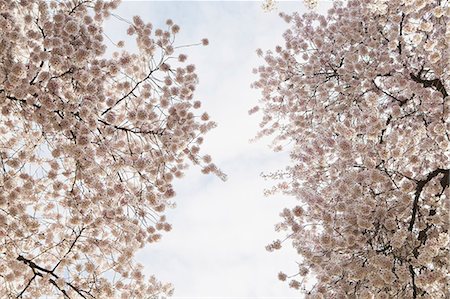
220	229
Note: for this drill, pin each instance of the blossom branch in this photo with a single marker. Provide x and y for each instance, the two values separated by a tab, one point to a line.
420	185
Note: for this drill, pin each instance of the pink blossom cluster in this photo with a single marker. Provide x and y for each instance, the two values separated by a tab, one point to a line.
89	148
359	98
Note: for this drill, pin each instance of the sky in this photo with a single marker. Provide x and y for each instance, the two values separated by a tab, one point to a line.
216	248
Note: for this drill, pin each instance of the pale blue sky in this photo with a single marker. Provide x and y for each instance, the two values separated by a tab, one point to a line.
216	248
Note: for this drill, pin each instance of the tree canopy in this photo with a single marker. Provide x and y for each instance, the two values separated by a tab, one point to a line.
359	98
89	148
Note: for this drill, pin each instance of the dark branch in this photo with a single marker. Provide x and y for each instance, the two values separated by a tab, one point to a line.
421	184
413	274
28	284
402	102
436	83
400	35
129	93
36	268
69	250
384	130
135	131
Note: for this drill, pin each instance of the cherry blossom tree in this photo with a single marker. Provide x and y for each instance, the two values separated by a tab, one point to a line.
89	148
359	99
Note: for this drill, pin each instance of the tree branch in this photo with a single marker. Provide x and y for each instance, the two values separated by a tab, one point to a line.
421	184
400	35
35	267
436	83
28	284
70	249
161	133
413	274
129	93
